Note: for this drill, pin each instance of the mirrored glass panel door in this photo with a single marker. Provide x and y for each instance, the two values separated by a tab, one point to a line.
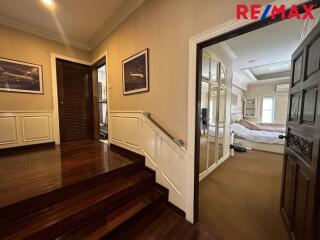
212	143
208	112
213	113
204	128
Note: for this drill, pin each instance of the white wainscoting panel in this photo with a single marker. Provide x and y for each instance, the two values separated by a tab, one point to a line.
8	129
25	128
35	128
116	128
149	145
132	130
172	171
131	133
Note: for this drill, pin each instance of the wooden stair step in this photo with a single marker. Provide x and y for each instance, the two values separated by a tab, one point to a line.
51	222
29	206
104	224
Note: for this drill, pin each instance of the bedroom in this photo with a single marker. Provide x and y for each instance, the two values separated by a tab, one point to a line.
244	104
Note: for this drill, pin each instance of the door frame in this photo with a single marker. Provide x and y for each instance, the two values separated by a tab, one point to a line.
212	36
95	66
54	57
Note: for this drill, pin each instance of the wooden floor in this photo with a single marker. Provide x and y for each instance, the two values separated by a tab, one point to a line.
79	190
30	173
240	200
163	223
86	190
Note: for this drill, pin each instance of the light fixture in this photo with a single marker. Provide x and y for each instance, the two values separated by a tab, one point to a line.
48	2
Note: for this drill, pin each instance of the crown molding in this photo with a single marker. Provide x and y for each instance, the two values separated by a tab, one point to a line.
111	24
226	47
125	10
42	33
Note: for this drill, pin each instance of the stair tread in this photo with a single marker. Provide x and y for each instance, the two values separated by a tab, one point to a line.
67	208
104	224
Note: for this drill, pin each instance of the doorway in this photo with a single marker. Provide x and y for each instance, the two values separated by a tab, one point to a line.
103	106
100	99
74	101
298	207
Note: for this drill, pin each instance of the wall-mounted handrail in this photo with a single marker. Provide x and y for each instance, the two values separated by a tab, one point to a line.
179	142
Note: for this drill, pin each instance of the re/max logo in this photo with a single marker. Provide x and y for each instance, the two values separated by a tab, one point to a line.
256	11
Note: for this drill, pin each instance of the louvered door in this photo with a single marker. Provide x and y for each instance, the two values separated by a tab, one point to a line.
75	101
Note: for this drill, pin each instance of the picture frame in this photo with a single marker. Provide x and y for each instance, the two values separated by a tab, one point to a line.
22	77
135	73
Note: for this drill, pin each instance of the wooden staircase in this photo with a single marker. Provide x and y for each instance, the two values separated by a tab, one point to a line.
89	209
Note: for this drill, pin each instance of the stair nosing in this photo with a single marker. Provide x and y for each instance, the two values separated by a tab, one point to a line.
56	207
159	195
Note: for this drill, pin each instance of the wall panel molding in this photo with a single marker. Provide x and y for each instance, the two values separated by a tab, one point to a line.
8	129
133	131
25	128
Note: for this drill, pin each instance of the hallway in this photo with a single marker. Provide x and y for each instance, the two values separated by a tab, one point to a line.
240	199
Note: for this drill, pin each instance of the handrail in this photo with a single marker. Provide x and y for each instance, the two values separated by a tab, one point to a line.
179	142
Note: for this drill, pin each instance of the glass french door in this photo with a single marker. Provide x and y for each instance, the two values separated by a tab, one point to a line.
213	113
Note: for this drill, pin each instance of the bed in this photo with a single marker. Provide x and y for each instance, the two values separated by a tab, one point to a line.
258	138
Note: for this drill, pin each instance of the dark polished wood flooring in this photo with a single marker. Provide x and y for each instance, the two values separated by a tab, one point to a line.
163	223
29	173
86	190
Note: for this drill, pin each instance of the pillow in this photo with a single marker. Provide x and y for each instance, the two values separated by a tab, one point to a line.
248	124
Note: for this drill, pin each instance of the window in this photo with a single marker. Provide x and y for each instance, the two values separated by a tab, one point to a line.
267	109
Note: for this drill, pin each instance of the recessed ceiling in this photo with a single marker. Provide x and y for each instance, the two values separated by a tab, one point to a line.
80	23
274	71
265	54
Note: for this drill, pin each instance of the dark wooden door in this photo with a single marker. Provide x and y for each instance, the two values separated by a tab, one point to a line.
75	101
300	183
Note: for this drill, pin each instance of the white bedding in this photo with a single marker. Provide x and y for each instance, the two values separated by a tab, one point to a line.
256	136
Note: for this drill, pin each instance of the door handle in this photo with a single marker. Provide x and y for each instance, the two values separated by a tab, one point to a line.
282	136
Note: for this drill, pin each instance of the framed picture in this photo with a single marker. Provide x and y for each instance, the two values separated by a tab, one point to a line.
16	76
135	73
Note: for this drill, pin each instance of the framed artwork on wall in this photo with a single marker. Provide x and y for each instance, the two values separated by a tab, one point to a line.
16	76
135	73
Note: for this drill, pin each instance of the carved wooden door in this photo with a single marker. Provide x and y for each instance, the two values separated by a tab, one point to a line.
300	183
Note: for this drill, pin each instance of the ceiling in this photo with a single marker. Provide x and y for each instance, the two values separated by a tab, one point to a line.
264	55
80	23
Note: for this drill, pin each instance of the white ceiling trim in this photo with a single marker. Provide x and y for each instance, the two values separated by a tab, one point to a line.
41	33
109	26
250	75
304	30
115	21
278	81
226	47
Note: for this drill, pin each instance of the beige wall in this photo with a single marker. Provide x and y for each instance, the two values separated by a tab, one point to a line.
25	47
281	101
163	26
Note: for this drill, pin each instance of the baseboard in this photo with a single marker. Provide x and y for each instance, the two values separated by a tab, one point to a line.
126	152
126	146
176	209
26	148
